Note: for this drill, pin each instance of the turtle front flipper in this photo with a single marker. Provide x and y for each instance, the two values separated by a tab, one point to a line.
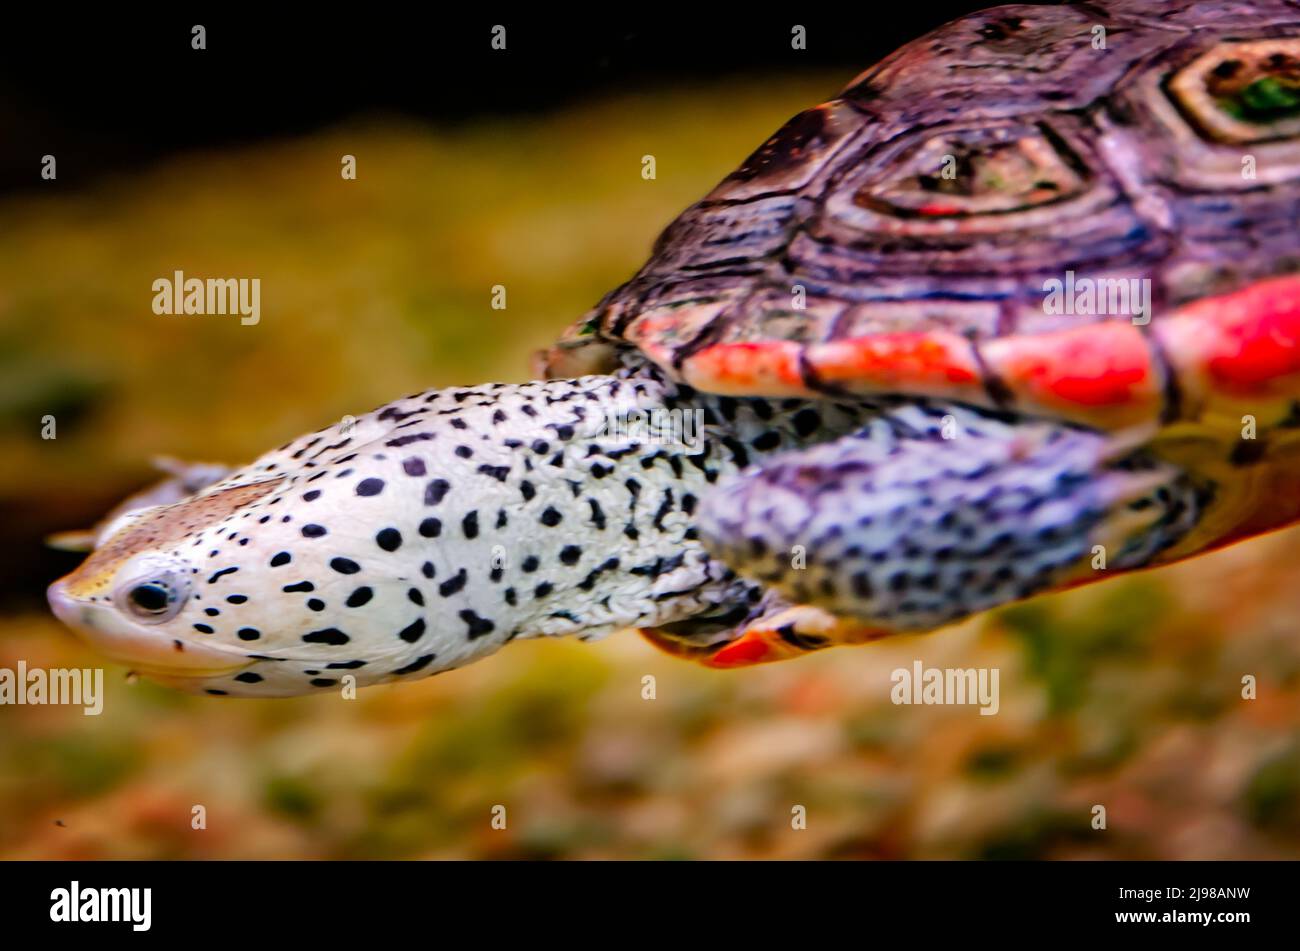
934	513
183	480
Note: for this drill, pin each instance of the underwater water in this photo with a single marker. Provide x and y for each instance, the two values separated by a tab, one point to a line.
1127	694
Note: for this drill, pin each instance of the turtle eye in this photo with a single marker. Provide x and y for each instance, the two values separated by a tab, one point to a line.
154	599
149	598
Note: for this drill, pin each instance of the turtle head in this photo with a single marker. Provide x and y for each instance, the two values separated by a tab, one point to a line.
137	598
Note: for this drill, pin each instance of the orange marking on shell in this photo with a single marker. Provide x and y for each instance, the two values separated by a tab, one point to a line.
1100	373
929	363
158	529
770	367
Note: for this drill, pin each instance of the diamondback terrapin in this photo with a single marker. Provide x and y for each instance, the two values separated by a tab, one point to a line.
1018	310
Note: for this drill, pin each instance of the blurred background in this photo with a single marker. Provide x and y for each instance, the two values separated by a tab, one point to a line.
521	168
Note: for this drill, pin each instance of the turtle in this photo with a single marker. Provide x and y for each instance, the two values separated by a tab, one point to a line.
1017	310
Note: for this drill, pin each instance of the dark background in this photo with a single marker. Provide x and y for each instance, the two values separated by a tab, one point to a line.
106	92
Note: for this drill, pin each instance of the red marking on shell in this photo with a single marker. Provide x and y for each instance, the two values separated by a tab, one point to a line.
937	210
1101	373
932	363
769	367
1256	334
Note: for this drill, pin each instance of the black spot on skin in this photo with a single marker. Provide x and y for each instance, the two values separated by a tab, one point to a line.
453	585
407	440
464	452
248	677
203	628
413	466
415	597
359	597
739	455
236	598
311	496
389	539
301	586
530	564
550	518
329	635
322	682
431	528
478	626
766	441
283	558
215	692
248	633
665	507
435	491
313	531
222	572
806	422
413	631
345	665
526	489
418	664
369	487
344	566
543	589
469	525
496	472
316	604
428	570
570	554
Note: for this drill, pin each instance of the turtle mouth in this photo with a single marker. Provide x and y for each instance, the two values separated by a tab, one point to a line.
149	651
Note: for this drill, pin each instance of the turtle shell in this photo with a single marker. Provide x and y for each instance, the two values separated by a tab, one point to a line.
934	229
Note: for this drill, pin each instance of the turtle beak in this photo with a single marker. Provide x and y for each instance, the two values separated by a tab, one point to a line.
65	607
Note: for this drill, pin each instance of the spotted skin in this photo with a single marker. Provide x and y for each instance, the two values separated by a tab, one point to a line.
433	531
